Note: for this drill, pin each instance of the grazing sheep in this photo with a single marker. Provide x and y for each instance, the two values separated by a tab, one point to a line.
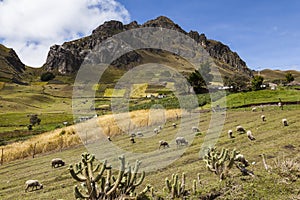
181	141
250	136
263	118
195	129
156	131
284	122
230	134
163	144
132	140
240	158
140	134
254	109
174	125
57	162
280	105
240	129
108	138
33	184
160	128
132	135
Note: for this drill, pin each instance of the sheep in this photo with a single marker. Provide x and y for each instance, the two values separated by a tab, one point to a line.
181	141
156	131
132	135
230	134
284	122
132	140
280	105
108	138
57	162
250	136
33	184
174	125
160	128
163	144
254	109
240	129
140	134
195	129
240	158
263	118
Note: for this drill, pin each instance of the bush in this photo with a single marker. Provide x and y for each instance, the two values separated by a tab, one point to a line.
47	76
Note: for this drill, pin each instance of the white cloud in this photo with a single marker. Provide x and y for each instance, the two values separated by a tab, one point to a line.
30	27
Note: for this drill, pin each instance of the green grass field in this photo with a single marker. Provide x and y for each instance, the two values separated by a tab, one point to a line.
272	139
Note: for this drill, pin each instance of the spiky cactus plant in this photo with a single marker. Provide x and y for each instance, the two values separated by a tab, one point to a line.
175	187
97	185
220	162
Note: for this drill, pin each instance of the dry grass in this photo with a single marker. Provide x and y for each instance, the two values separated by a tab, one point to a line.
112	125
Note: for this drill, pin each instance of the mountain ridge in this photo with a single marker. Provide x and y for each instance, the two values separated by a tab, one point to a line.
67	58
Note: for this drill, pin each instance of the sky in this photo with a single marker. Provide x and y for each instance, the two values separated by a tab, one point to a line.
265	33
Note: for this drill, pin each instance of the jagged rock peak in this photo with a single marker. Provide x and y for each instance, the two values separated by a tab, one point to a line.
164	22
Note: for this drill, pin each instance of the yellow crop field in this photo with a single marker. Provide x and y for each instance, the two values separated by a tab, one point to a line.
110	92
138	90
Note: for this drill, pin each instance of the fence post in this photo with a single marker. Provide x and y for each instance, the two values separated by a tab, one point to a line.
33	154
1	160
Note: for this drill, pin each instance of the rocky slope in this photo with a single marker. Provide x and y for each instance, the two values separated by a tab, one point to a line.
11	67
67	58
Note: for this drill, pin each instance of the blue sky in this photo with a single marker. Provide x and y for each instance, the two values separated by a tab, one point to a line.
265	33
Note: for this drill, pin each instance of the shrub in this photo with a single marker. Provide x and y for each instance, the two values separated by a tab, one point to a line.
47	76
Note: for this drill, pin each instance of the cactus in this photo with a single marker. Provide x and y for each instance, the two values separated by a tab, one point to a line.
176	188
97	185
220	163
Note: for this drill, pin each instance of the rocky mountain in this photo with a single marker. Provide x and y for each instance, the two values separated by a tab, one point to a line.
67	58
11	67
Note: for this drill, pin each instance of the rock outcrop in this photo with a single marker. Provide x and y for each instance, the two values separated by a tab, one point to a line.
11	67
67	58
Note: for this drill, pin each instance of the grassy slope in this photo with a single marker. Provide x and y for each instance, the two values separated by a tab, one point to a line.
270	75
272	139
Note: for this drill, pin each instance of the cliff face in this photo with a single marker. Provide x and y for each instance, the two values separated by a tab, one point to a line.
67	58
11	67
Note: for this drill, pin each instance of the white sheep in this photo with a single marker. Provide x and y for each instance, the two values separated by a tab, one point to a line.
284	122
250	136
160	128
33	184
263	118
156	131
240	129
181	141
230	134
195	129
174	125
240	158
139	133
254	109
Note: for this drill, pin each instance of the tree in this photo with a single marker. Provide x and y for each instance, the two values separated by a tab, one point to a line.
257	82
289	77
47	76
199	79
34	120
236	82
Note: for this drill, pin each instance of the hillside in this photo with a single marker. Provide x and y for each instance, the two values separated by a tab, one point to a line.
11	67
271	75
280	144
